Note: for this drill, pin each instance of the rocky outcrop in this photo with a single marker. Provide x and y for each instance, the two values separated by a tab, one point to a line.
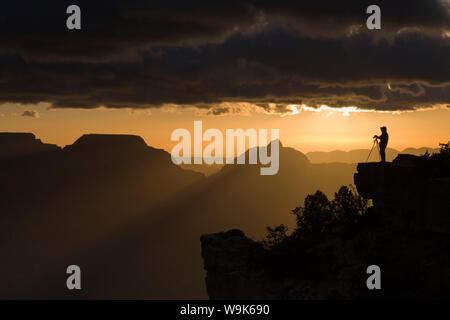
405	232
237	268
414	189
413	265
229	275
17	144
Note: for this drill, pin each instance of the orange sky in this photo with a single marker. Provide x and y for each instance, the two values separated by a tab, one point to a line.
306	131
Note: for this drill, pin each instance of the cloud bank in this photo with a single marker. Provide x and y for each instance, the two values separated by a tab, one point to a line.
136	54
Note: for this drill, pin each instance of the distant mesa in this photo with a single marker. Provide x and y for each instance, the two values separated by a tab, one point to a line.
95	142
94	198
19	144
279	142
125	149
360	155
89	148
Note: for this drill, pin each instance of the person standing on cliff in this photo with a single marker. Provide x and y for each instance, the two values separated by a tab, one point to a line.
384	137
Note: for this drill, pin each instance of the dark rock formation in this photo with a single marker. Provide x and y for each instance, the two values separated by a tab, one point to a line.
412	266
87	202
225	258
17	144
239	268
414	189
110	200
103	142
405	232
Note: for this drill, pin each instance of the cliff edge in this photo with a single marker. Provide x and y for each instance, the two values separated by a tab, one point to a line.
406	232
414	189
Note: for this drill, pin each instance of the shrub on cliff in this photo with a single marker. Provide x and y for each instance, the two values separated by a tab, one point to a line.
318	213
275	236
347	205
445	149
436	165
292	255
314	216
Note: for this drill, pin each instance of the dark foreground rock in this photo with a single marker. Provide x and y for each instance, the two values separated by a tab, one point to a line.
406	233
415	189
412	266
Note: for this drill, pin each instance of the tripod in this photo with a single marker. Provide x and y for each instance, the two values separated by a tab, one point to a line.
375	142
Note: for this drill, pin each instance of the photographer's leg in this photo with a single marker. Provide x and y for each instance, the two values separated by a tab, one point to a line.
383	154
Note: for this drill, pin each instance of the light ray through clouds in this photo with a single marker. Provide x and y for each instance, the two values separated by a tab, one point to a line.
345	111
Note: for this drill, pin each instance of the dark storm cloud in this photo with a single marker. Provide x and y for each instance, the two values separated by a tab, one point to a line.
146	54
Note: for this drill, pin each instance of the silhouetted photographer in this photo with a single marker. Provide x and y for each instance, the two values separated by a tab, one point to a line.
384	137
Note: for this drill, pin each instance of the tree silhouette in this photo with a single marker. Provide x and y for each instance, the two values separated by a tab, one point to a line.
275	236
316	213
348	205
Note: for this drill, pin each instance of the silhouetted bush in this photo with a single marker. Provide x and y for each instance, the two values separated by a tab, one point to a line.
275	236
287	253
317	213
445	148
347	205
314	216
436	165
